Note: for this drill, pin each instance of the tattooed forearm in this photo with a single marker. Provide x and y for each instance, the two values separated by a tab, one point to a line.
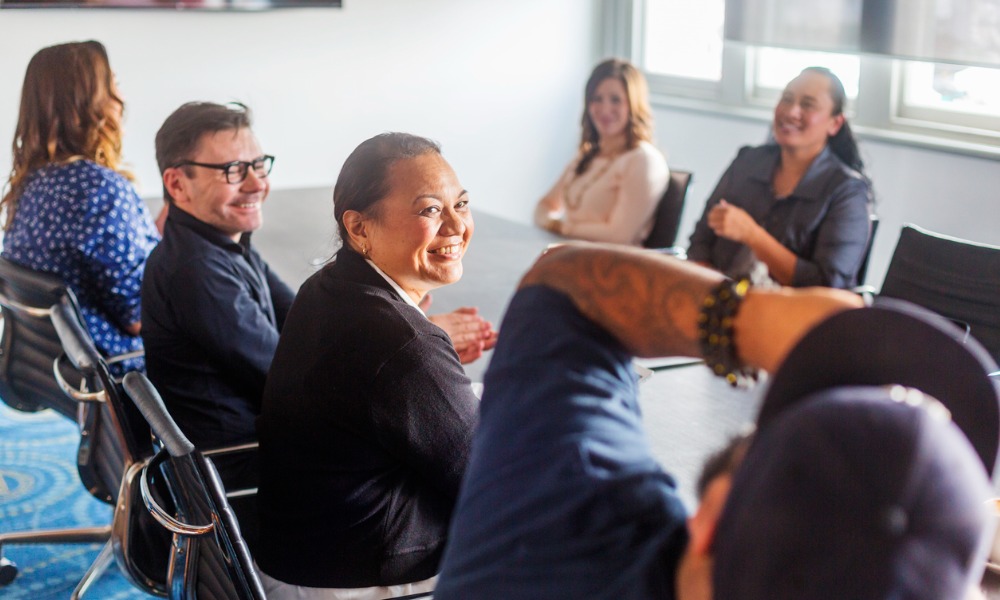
649	302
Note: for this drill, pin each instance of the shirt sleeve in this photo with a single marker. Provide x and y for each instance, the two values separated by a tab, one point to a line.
643	179
216	309
123	236
703	238
840	240
281	295
551	204
425	412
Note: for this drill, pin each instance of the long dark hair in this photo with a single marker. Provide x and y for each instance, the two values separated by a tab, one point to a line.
364	178
843	143
640	126
68	112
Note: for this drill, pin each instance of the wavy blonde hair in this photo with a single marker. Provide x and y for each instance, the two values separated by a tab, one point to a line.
640	126
69	111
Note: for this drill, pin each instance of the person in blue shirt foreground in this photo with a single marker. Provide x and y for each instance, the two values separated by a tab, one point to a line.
857	483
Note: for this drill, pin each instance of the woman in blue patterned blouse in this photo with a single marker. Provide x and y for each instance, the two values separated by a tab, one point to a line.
70	209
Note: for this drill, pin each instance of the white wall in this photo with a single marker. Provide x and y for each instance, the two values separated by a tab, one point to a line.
948	193
497	83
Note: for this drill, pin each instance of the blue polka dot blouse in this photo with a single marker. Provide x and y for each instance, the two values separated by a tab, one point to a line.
86	224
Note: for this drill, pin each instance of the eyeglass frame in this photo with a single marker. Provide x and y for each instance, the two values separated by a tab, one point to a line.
245	166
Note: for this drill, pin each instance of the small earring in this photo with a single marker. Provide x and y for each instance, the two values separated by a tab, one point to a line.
364	250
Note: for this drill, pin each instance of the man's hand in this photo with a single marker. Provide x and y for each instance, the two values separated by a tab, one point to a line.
470	333
732	222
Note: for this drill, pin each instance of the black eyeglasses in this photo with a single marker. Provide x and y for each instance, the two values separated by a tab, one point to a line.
236	171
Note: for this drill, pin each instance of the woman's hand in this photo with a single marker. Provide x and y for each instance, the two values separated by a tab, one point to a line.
732	222
469	332
554	225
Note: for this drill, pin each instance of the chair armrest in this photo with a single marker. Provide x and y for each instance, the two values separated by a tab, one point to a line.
125	356
150	404
80	394
162	516
678	251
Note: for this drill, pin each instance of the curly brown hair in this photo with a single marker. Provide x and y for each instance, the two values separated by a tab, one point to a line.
69	111
640	127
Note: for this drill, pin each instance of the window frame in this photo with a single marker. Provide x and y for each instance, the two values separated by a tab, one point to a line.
879	112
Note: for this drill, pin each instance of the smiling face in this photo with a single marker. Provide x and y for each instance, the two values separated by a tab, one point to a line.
418	234
608	108
232	208
803	118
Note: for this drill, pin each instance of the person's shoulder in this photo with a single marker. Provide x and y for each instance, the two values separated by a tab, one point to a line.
645	156
766	152
840	175
646	152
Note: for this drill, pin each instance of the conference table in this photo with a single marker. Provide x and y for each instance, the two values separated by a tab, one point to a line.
688	412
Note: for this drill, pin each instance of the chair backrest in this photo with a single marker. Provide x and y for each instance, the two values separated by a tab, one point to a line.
668	212
29	342
116	443
956	278
209	558
873	228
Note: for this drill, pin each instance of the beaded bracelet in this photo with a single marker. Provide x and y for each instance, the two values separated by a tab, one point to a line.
715	332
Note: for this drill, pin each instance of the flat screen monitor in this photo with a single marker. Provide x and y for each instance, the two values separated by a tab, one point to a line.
170	4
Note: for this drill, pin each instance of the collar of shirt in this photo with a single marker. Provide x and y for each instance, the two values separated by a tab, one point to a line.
406	297
812	185
184	219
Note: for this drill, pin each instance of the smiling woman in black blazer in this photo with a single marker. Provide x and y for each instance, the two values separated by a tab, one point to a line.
367	416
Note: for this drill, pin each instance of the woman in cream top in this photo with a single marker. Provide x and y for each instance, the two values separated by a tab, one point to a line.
609	192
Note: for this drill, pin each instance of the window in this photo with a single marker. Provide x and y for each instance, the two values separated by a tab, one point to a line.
683	38
773	68
680	45
953	96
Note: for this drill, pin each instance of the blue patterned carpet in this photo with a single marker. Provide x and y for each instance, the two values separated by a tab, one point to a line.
39	488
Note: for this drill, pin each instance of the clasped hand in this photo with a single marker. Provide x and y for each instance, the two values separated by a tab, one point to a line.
732	222
470	333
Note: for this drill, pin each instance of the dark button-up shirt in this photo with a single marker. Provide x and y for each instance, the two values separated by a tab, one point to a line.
824	222
211	313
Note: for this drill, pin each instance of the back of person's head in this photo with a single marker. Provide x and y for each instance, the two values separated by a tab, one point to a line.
181	134
364	178
640	128
843	143
70	110
856	492
856	484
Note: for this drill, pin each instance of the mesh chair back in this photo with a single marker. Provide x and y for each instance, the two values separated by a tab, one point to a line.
115	443
668	212
29	343
863	271
209	558
956	278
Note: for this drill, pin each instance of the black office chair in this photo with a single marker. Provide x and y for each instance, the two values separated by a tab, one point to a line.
29	343
112	441
668	212
181	488
183	492
873	221
956	278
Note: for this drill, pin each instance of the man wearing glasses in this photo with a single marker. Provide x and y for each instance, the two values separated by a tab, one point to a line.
211	306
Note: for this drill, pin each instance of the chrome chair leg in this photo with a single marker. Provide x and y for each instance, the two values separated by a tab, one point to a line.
97	568
8	569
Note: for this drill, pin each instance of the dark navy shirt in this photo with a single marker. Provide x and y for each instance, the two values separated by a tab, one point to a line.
85	223
211	313
562	497
824	222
